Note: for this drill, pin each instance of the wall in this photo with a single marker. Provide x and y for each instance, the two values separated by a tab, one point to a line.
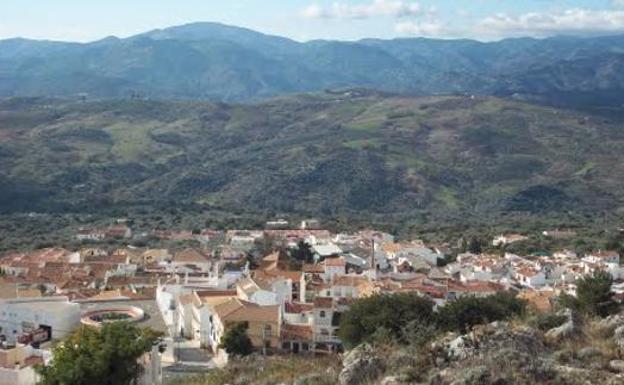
25	376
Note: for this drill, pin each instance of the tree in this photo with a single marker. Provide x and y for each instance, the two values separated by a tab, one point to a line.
474	246
593	295
99	356
236	341
303	252
382	311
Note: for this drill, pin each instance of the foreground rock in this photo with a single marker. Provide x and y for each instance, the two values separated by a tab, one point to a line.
573	326
361	366
497	337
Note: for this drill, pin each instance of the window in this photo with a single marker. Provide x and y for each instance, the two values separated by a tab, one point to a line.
322	313
304	346
336	319
268	331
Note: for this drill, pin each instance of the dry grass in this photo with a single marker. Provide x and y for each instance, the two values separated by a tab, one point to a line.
593	337
271	371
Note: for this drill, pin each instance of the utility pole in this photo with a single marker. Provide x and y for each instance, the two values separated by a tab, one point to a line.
372	253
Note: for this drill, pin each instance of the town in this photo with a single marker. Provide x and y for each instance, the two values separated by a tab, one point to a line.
288	284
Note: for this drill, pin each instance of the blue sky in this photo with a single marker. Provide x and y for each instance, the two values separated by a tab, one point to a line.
81	20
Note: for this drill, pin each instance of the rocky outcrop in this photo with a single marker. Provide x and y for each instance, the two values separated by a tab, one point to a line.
499	353
573	326
617	366
494	337
612	322
360	366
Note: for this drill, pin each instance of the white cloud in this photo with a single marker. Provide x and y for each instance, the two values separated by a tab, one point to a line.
571	21
421	28
387	8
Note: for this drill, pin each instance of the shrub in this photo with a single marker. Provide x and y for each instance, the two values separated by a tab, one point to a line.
236	341
392	313
545	322
463	314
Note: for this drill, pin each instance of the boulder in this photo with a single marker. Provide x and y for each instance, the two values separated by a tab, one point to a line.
391	380
483	339
361	365
587	353
612	322
618	336
617	366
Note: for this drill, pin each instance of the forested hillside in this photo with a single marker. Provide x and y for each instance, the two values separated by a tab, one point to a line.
351	154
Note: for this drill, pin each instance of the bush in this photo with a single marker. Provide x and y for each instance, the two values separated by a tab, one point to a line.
236	341
463	314
390	313
408	318
545	322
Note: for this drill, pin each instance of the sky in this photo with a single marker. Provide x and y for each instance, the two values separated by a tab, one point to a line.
302	20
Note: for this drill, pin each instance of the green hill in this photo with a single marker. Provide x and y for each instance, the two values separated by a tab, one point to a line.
351	154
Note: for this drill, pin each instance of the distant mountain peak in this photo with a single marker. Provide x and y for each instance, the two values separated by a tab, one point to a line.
209	30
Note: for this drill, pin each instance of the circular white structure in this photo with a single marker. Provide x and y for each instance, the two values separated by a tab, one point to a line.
98	317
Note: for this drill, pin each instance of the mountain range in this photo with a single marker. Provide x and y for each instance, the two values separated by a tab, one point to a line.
211	61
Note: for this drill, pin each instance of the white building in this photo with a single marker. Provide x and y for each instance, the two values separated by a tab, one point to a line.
152	367
250	291
17	364
603	257
169	294
55	314
507	239
531	277
326	250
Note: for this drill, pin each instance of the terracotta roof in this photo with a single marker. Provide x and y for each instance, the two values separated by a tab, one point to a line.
475	286
80	294
297	307
350	280
213	297
236	310
297	332
335	262
313	268
248	286
190	256
323	302
108	295
528	272
276	272
392	247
